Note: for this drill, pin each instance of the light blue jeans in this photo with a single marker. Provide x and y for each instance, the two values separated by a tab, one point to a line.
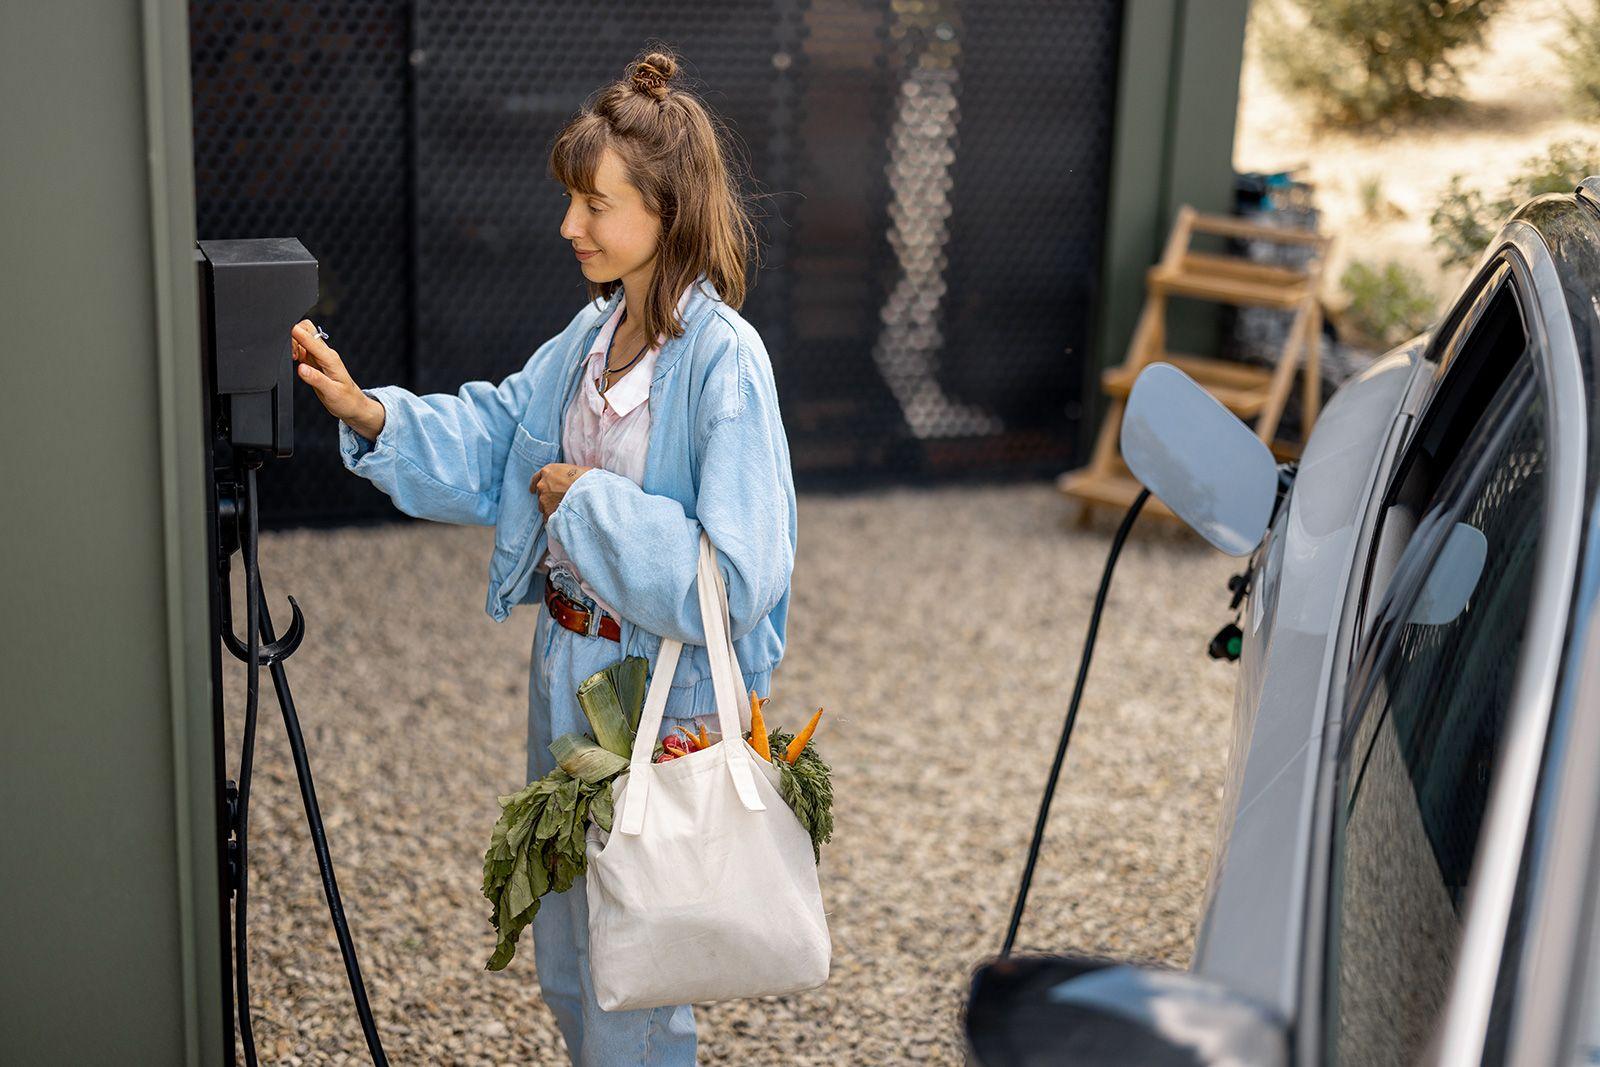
648	1037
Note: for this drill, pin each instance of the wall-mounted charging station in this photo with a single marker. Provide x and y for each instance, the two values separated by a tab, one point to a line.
251	293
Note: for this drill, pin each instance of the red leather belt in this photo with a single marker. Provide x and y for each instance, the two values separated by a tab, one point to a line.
576	616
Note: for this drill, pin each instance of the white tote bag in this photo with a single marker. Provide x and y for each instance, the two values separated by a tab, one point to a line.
706	888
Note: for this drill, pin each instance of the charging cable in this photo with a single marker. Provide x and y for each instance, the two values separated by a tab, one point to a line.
1286	475
261	649
1072	716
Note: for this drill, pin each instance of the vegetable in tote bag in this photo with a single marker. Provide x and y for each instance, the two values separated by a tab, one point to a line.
706	889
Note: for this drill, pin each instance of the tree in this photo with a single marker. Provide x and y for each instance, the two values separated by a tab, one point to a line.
1362	61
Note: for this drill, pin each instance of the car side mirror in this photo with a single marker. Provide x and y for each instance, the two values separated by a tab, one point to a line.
1029	1011
1453	577
1199	459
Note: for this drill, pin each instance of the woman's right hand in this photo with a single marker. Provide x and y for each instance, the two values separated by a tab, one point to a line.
321	368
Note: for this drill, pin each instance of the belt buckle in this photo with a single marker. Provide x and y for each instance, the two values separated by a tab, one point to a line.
566	583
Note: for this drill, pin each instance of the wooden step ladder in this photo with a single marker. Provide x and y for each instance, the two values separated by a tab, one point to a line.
1256	394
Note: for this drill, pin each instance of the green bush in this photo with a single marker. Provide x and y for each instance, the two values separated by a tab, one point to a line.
1387	305
1359	61
1580	54
1466	218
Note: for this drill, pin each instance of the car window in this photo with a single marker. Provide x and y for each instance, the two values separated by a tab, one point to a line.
1470	372
1428	707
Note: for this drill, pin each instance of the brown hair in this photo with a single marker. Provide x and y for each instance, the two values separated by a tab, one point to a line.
675	154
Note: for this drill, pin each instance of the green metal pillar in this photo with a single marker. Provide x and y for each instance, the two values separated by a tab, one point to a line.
1172	143
109	906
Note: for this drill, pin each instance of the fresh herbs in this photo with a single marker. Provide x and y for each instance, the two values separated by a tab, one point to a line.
804	781
807	788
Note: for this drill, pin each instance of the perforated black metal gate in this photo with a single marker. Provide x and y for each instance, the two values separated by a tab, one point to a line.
936	174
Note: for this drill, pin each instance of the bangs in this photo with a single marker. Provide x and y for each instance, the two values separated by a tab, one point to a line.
576	155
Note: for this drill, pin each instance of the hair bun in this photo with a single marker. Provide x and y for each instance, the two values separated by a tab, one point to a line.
651	73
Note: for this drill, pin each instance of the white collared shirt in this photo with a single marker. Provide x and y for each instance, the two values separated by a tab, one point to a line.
611	429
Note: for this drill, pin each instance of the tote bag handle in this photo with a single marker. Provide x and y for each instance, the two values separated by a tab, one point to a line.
726	681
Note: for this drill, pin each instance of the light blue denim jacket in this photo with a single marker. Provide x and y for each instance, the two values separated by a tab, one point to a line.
718	456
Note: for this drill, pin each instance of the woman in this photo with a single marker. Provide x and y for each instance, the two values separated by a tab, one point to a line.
653	413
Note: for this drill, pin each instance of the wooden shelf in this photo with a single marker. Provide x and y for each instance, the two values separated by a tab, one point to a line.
1183	280
1248	269
1233	226
1240	386
1255	394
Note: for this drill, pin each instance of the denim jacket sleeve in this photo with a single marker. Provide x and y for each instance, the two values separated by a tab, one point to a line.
641	549
441	456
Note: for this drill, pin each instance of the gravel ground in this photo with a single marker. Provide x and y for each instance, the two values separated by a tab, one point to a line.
945	698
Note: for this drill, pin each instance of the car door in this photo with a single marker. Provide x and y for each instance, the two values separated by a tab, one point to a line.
1448	698
1427	706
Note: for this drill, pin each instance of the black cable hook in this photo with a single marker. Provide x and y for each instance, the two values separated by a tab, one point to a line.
273	652
242	511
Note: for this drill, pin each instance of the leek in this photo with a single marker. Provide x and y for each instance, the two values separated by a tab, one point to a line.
598	698
627	677
579	756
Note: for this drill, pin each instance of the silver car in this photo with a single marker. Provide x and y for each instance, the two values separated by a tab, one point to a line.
1408	851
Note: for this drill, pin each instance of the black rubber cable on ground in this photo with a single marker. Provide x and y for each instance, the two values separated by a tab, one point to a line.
1072	715
257	610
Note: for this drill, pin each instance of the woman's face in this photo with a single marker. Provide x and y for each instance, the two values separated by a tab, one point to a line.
613	225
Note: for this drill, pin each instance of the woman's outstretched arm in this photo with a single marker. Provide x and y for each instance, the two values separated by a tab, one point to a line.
442	456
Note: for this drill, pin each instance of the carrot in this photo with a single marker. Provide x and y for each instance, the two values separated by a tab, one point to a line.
758	729
799	743
705	738
694	742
